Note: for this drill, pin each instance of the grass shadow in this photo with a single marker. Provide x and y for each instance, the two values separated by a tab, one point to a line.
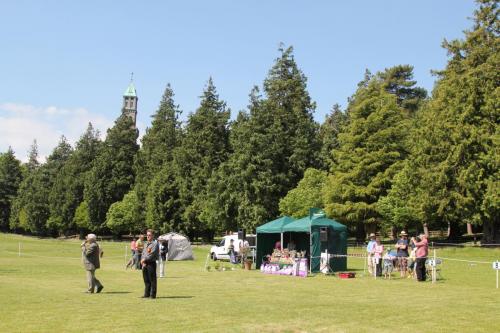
173	297
172	277
116	292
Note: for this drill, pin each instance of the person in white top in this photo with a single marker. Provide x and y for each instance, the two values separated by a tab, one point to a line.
244	247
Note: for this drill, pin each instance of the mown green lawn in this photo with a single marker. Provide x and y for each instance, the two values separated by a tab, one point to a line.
42	291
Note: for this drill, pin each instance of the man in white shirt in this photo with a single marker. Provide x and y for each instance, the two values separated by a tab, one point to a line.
369	253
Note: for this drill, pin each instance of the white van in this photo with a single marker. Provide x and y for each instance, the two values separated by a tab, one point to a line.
220	251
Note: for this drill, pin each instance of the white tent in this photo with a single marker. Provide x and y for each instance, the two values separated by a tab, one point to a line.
179	246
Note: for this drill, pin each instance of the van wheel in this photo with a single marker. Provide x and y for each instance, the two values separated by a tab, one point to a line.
214	257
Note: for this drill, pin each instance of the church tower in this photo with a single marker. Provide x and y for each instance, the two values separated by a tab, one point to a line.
130	102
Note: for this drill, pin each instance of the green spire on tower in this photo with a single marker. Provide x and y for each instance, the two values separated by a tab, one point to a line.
130	91
131	88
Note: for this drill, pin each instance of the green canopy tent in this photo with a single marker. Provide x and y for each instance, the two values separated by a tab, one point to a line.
268	234
306	234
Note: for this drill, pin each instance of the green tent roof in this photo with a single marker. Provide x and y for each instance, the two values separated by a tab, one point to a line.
306	223
275	226
130	91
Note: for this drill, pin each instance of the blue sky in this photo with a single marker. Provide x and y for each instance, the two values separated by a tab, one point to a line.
64	63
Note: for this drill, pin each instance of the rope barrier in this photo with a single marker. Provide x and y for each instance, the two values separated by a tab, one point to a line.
356	255
463	244
469	261
56	257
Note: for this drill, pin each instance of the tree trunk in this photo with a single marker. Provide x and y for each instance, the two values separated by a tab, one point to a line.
469	229
453	231
393	235
360	232
491	232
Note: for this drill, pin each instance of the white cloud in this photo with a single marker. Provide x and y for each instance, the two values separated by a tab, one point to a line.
20	124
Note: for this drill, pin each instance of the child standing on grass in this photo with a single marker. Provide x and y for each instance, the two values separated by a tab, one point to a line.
377	251
411	263
231	252
388	264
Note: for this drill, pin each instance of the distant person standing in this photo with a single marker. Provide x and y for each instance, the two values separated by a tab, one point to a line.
377	251
402	253
148	263
369	252
139	246
231	251
244	248
163	256
90	256
133	249
422	253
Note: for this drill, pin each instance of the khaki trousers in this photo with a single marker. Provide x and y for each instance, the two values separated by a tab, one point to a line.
92	281
370	263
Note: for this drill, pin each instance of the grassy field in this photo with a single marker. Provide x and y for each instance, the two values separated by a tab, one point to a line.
42	291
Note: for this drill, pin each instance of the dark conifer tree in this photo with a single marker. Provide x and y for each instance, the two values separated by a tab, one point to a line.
11	176
204	147
32	204
455	156
273	145
67	191
112	174
158	144
372	148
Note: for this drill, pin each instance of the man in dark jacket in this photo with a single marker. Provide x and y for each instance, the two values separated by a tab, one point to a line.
90	256
148	263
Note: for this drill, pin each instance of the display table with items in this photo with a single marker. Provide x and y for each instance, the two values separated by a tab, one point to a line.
285	263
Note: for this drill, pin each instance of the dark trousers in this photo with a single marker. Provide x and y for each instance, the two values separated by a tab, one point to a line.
149	276
378	268
420	269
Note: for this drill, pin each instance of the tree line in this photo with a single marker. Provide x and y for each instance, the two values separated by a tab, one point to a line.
395	158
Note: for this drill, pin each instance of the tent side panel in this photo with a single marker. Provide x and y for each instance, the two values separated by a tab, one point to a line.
180	249
338	245
316	250
265	245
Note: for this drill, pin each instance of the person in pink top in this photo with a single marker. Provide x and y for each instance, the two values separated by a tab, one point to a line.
422	252
133	249
377	251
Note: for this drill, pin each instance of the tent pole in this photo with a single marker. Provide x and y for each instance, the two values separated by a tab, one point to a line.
255	253
310	250
282	241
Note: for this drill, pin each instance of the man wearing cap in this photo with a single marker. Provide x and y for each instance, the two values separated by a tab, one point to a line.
90	256
402	253
148	263
369	252
422	252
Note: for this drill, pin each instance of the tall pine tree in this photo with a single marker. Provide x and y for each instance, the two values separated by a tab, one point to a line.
156	153
112	174
11	176
372	148
32	203
204	147
67	191
456	150
273	146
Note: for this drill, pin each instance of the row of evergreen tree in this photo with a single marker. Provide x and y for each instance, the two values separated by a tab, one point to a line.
393	159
